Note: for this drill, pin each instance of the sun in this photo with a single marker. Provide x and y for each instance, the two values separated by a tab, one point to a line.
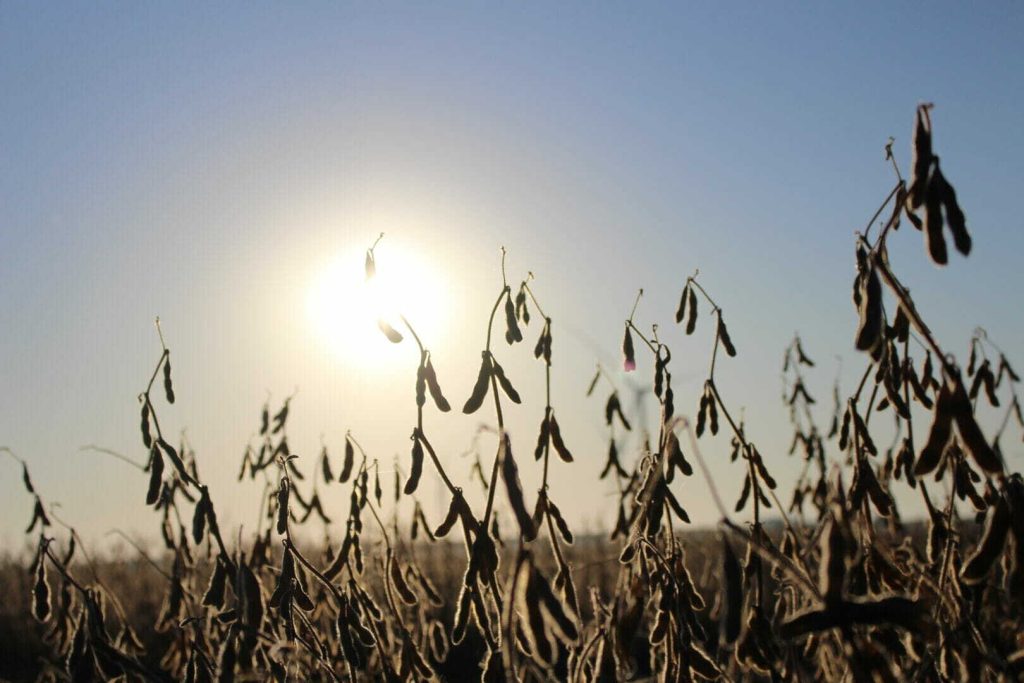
344	307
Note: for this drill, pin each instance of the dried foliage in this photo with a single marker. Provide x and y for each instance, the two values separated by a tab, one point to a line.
840	590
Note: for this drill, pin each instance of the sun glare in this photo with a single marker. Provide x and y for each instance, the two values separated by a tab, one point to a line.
344	307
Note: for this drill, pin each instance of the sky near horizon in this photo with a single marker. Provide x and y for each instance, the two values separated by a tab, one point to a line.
216	164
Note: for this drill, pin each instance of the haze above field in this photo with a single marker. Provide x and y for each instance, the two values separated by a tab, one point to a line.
225	168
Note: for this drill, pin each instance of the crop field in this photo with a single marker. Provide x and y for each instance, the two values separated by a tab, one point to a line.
822	581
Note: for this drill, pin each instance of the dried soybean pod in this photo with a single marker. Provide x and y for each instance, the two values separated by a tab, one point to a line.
421	387
264	419
954	215
901	324
38	516
934	240
612	460
681	311
438	641
339	561
723	334
542	439
674	504
761	469
408	597
301	594
175	460
912	217
199	518
534	625
744	494
214	596
414	527
614	407
168	387
556	515
461	620
510	474
971	438
879	497
506	385
712	412
325	466
512	333
391	333
662	618
423	521
284	580
357	553
522	312
538	349
861	429
922	160
659	373
702	414
539	509
346	468
938	435
927	376
701	663
156	473
1005	365
920	393
869	329
691	306
844	430
41	593
417	466
419	666
564	625
435	389
556	441
282	506
428	588
979	378
450	518
147	439
564	582
990	388
27	480
547	342
483	378
628	353
990	546
680	460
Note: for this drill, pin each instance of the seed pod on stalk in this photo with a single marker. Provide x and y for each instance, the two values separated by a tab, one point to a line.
628	353
510	474
417	465
483	382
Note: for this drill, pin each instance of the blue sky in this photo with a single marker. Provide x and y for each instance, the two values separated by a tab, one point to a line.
203	163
